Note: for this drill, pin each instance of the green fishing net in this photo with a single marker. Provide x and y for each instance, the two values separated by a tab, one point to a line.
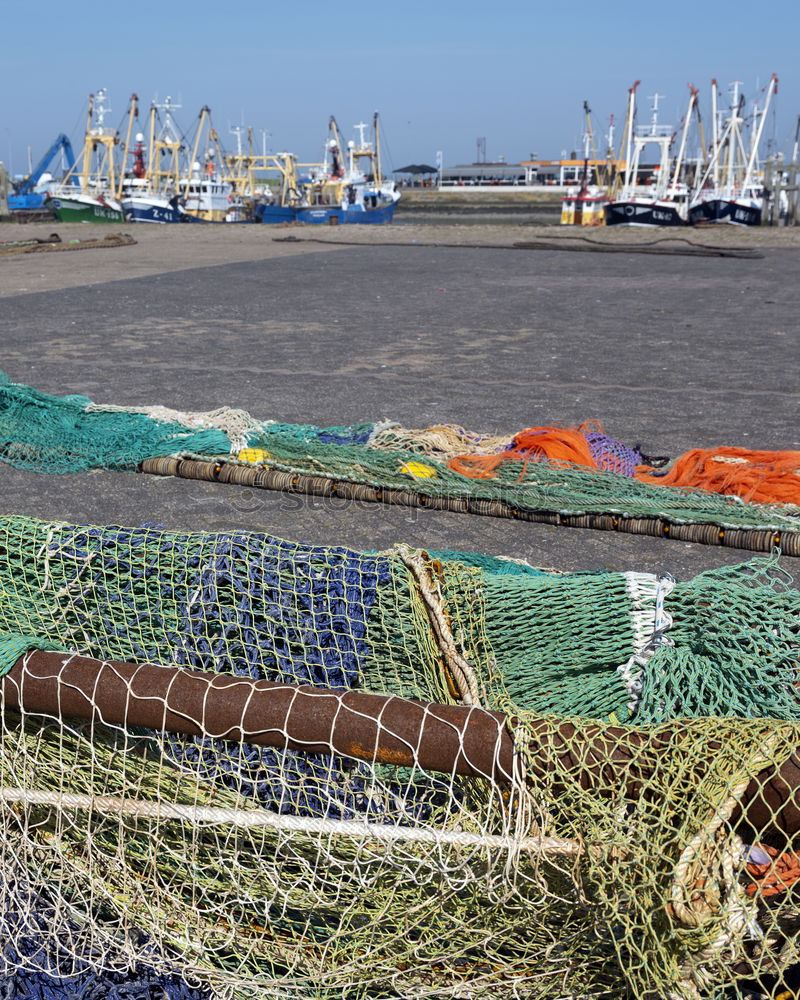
616	861
55	434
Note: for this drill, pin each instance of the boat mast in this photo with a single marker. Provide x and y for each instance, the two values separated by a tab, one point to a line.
753	161
701	135
734	140
377	176
107	143
87	148
151	142
133	112
333	129
663	142
714	134
589	145
358	151
168	138
204	112
629	117
611	180
682	149
721	142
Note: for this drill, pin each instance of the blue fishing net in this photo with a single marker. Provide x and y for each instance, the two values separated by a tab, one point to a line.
243	603
35	964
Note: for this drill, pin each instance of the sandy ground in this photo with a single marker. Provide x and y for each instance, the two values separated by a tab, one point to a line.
165	249
669	351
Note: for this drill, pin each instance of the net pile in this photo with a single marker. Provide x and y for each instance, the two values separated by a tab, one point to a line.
60	434
566	472
623	852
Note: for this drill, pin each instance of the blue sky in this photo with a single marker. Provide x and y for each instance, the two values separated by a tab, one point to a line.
440	73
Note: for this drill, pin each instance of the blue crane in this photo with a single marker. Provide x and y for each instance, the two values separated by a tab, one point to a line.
25	197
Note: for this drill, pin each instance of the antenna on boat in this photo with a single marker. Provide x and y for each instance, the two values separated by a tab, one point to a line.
654	113
362	144
100	111
169	130
238	131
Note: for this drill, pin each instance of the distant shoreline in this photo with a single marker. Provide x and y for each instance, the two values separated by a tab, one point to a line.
453	207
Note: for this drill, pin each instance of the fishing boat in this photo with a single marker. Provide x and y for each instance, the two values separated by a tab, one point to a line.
584	205
340	191
265	184
150	190
664	203
730	191
205	192
206	195
93	198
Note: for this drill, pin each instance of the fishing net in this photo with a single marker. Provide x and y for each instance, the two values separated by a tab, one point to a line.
624	850
58	434
581	472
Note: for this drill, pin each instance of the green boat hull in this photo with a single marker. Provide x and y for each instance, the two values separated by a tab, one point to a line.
73	210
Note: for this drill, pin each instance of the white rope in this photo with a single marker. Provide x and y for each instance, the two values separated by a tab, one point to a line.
249	818
649	622
459	666
237	425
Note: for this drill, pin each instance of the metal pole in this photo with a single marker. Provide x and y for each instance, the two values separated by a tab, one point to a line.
452	739
377	728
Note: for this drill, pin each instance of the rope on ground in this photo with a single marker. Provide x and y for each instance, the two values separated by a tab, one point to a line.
572	243
54	243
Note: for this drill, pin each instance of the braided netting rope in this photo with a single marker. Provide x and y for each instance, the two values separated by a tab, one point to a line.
56	246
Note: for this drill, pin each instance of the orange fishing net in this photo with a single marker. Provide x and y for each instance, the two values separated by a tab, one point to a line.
556	444
760	476
757	476
775	875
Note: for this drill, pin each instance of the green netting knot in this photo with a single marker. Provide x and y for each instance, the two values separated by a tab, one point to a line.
14	644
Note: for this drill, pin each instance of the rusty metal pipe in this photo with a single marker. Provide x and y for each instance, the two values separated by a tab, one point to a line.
452	739
370	727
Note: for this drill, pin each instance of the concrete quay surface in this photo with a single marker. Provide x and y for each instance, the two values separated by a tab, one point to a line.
420	324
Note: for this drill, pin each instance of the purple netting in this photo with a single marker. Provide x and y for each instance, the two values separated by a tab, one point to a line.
611	455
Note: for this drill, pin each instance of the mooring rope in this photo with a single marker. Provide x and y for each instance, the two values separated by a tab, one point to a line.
55	243
573	243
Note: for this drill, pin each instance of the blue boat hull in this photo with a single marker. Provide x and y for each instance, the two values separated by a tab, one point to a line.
25	202
274	214
137	210
725	210
334	215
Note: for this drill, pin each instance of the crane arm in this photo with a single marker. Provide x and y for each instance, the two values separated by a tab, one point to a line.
61	142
